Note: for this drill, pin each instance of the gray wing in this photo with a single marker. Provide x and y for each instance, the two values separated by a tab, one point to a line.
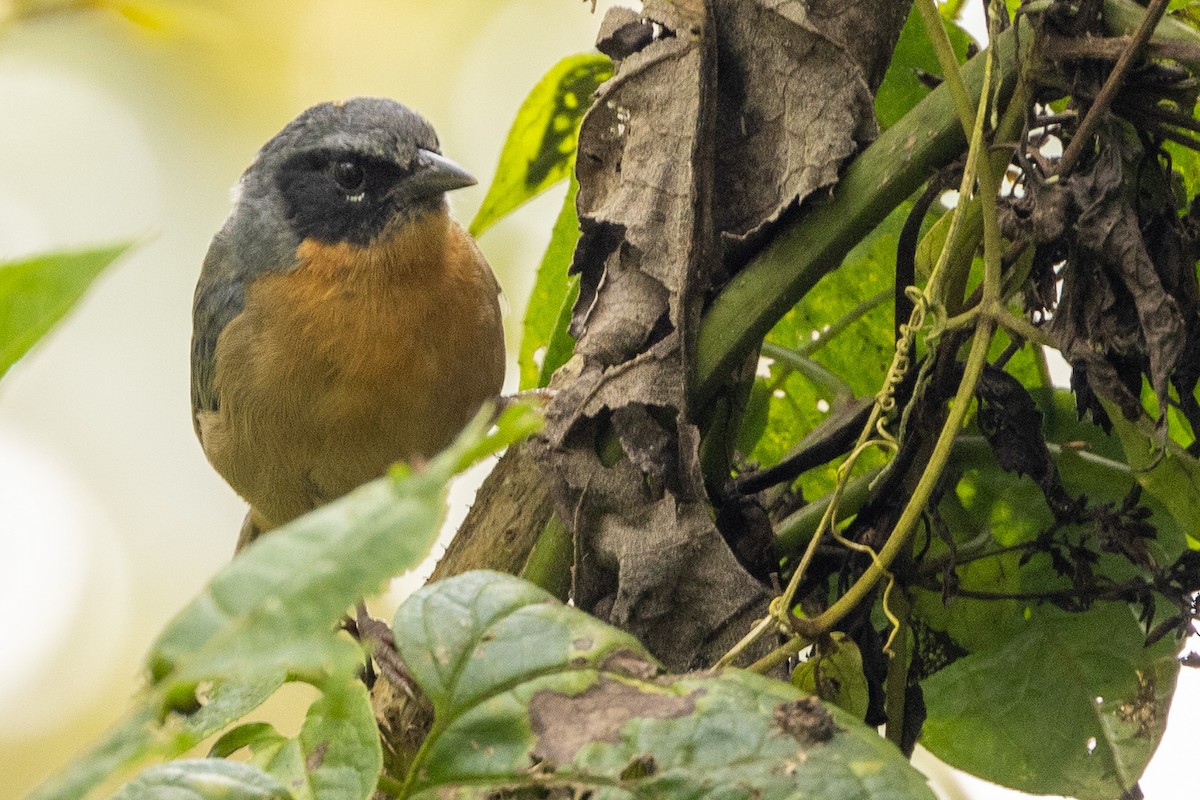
255	239
220	295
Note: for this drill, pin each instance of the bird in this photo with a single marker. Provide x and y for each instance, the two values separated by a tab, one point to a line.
343	320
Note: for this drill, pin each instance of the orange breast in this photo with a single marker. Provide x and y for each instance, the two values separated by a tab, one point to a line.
358	357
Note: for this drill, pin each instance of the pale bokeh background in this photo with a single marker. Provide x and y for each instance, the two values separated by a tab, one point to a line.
117	126
134	120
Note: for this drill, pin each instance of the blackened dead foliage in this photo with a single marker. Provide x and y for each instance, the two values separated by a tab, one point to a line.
1107	249
1114	240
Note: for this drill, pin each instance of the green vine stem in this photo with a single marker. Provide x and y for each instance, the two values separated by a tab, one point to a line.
828	619
973	122
777	656
810	629
897	674
799	528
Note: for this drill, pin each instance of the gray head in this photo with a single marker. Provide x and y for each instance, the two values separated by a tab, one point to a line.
340	172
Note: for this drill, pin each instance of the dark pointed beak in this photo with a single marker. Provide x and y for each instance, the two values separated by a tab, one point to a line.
433	174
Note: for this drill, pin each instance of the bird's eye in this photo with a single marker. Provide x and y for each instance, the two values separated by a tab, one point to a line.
348	175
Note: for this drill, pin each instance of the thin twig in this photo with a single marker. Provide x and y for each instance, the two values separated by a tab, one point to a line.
1161	114
1190	142
1110	48
1108	92
852	316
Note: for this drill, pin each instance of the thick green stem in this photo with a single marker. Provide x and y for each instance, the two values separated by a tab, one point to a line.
1125	17
549	562
797	530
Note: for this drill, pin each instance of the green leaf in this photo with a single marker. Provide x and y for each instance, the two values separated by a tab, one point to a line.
342	753
546	345
256	737
1073	705
990	509
35	293
1185	164
836	674
1171	476
531	694
1185	10
902	88
337	755
274	612
562	344
929	248
540	148
148	732
275	606
203	779
223	703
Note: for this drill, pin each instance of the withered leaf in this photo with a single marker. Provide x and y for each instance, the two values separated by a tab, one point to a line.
648	553
1119	314
666	161
796	83
1012	424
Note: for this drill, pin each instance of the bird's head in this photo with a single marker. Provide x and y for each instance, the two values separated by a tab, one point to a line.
345	171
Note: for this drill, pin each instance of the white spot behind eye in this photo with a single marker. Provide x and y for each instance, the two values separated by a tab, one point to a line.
1091	744
356	198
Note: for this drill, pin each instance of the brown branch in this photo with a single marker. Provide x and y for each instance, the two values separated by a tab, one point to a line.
1179	137
1109	91
1110	48
1117	592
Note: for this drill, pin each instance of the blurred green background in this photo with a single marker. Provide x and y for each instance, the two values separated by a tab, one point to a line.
133	120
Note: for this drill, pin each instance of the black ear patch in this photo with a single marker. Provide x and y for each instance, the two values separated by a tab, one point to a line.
338	196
